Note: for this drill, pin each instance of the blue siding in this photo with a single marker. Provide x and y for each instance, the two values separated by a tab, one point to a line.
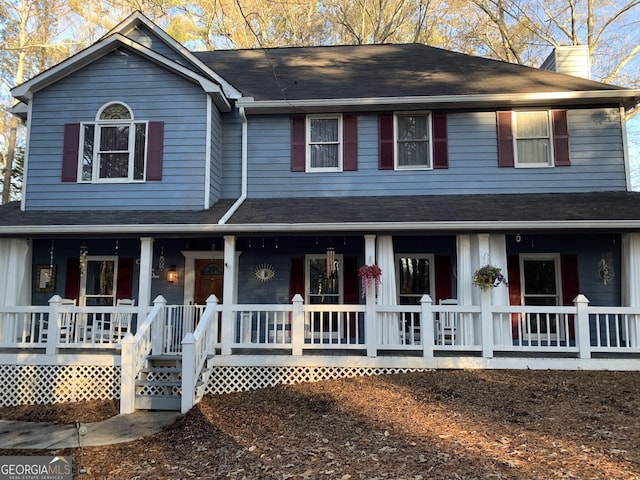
215	182
232	155
596	156
153	94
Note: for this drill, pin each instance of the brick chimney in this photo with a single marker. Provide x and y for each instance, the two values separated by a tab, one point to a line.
570	59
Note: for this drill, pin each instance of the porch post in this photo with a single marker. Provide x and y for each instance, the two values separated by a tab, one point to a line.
146	262
426	317
499	295
630	278
297	326
229	295
370	319
465	270
486	316
53	326
583	334
188	373
128	375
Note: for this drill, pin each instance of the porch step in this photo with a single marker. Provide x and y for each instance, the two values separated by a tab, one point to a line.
160	383
158	402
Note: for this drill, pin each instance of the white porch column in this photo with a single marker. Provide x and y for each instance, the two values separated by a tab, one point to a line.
146	262
500	294
370	319
484	257
229	295
465	270
630	271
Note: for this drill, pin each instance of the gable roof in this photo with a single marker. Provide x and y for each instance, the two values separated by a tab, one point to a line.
377	74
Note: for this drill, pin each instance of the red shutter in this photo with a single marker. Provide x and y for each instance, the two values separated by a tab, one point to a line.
570	286
385	141
155	150
440	146
296	277
351	281
298	144
442	270
349	142
505	140
515	297
72	279
561	138
70	150
125	278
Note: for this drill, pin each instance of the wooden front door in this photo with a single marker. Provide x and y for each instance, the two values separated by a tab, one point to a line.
209	280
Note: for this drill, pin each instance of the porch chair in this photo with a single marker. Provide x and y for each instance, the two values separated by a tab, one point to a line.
447	324
122	321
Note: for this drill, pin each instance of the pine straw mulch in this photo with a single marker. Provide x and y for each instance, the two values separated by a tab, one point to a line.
427	425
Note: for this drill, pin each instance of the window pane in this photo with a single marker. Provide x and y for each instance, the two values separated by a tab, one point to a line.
324	130
139	151
114	165
411	154
324	156
100	277
114	138
540	277
412	127
116	111
87	153
532	124
533	151
413	279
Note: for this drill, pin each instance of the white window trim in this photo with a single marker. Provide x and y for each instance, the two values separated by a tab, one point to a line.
98	124
340	142
514	125
432	275
83	277
396	156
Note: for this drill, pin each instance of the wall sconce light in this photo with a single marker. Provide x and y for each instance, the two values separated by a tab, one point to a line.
605	272
172	275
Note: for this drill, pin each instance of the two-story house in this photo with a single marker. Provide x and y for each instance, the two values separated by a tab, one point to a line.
161	176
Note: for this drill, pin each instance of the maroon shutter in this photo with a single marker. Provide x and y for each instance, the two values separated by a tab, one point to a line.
505	140
442	270
70	150
349	142
155	150
385	141
296	277
515	296
298	144
125	278
440	147
72	279
561	138
570	286
351	288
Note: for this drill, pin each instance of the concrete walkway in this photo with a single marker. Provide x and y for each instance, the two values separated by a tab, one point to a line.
118	429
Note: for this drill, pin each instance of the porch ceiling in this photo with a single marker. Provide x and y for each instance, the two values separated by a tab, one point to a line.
615	210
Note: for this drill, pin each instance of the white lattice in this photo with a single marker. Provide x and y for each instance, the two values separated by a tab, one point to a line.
238	379
46	384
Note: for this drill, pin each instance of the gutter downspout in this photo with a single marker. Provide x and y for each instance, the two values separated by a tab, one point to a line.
243	196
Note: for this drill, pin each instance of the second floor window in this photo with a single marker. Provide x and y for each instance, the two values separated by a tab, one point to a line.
412	141
532	139
114	146
324	143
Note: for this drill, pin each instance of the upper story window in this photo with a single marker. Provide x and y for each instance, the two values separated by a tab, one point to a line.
535	138
113	148
412	141
324	140
324	143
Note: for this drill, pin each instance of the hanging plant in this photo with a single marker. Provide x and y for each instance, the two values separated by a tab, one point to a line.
488	276
369	275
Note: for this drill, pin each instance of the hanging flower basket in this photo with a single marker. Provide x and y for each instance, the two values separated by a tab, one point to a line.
370	276
488	276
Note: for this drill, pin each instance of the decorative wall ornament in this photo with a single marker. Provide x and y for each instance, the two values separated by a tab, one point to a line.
265	272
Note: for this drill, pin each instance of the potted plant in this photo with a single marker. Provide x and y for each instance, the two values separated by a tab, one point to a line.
370	276
488	276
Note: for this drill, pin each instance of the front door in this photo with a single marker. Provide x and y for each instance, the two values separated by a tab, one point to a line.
209	280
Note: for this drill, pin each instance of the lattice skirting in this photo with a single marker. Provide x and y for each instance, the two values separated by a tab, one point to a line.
238	379
47	384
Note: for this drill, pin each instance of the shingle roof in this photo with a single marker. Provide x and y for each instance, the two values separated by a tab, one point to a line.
570	210
367	71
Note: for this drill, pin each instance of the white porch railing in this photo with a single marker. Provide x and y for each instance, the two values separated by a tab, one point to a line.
23	327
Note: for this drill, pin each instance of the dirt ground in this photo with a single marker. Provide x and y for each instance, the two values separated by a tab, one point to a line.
427	425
